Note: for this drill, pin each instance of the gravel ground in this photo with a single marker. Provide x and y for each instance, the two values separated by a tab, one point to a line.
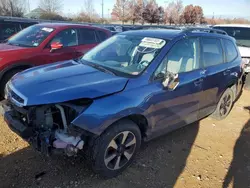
209	153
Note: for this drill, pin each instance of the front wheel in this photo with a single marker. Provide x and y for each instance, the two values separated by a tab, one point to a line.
115	149
224	106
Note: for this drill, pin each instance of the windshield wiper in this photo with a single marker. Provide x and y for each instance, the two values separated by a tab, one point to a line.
22	45
99	67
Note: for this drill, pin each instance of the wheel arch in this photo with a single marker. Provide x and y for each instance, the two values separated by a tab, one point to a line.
13	67
139	119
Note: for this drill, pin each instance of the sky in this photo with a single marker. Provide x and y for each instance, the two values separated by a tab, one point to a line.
220	8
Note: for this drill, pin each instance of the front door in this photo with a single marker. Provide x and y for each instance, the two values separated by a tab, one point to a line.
175	108
69	39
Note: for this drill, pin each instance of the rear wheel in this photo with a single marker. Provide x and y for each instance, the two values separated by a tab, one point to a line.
115	149
225	105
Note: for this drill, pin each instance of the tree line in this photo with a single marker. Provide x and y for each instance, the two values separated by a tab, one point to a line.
148	11
126	11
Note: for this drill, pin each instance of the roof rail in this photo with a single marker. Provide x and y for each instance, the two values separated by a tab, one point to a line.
207	30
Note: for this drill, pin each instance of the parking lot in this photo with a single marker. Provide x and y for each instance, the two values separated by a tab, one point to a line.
208	153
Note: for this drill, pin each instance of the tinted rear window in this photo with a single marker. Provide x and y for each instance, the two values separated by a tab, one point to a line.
102	35
8	29
212	51
88	36
241	34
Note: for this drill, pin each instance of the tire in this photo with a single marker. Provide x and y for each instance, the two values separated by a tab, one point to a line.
6	78
247	82
224	106
104	157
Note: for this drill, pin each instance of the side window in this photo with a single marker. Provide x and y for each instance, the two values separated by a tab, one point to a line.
183	57
88	36
212	52
8	29
102	35
231	52
66	37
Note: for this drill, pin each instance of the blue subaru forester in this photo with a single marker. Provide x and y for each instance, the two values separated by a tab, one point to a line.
135	86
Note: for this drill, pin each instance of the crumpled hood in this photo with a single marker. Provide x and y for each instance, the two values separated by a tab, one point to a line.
64	81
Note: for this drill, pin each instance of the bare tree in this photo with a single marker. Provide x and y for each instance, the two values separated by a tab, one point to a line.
193	14
51	6
88	10
14	8
151	12
173	12
121	10
135	11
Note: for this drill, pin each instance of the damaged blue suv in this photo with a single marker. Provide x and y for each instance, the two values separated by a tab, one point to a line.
131	88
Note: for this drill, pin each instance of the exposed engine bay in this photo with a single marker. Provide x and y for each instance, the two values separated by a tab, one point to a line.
47	127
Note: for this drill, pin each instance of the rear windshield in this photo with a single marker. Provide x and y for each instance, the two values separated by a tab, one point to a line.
32	36
241	34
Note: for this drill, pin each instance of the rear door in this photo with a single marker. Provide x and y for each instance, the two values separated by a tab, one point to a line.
178	107
87	40
215	74
69	39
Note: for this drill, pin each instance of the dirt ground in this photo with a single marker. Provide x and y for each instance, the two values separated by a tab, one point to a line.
209	153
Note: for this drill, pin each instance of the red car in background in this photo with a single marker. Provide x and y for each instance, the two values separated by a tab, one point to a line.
46	43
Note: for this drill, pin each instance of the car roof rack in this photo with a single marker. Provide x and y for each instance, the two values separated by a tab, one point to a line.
207	30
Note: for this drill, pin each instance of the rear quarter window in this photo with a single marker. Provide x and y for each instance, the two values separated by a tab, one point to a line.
212	52
87	36
102	35
230	50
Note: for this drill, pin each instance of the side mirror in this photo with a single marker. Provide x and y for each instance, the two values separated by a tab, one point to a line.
55	46
171	81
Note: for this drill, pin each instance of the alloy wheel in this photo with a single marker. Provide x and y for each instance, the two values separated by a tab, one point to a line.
226	104
120	150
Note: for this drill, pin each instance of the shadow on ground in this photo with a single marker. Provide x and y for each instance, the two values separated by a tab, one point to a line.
239	170
159	164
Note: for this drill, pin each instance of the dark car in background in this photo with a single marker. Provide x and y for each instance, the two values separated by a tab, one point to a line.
241	33
135	86
46	43
10	26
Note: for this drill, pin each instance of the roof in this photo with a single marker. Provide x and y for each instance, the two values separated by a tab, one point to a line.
69	25
233	25
59	25
169	34
155	33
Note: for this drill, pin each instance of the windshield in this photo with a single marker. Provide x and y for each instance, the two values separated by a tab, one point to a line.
241	34
31	37
125	53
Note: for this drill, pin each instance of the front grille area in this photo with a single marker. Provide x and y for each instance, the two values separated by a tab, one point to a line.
16	97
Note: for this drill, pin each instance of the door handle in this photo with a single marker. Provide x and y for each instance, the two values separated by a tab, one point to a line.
198	82
226	72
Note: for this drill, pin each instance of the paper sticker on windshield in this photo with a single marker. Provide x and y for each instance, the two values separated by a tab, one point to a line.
46	29
148	42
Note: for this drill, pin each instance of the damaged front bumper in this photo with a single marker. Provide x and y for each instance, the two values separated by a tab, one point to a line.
43	135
